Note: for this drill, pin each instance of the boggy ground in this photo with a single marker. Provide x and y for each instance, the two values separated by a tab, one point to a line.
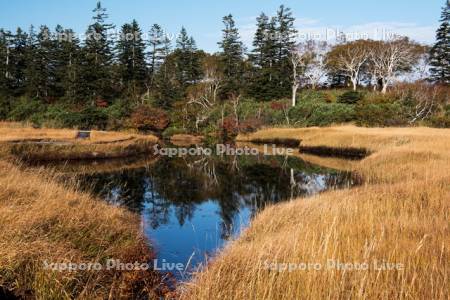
397	223
45	221
45	144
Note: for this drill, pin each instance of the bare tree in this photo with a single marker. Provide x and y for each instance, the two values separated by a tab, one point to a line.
349	59
301	57
204	94
391	58
315	70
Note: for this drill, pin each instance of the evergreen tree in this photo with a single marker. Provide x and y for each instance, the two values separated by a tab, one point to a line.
187	62
67	64
264	57
440	53
284	43
19	57
6	40
97	54
231	56
158	43
40	70
131	56
258	54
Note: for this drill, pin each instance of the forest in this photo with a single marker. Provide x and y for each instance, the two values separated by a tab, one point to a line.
147	80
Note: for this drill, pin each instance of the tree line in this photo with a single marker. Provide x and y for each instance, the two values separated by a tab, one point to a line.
59	67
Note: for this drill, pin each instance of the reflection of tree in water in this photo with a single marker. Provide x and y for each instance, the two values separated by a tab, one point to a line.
179	184
123	188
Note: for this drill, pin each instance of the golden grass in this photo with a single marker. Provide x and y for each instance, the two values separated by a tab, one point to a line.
64	145
44	221
400	215
41	220
16	132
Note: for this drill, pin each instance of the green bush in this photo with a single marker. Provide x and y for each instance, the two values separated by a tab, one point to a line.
117	113
382	114
321	114
23	108
350	97
5	107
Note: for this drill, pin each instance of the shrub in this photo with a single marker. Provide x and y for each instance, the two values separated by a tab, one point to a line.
383	114
23	108
350	97
117	113
5	107
229	128
250	125
146	118
321	114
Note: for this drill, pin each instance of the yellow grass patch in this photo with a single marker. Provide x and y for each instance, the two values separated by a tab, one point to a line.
399	216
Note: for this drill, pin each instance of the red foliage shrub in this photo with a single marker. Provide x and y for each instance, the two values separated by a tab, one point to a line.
99	102
250	125
148	118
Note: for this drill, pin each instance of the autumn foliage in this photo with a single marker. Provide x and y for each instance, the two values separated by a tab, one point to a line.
146	118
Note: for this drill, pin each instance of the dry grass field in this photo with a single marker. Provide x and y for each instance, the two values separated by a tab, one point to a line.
18	141
45	221
397	222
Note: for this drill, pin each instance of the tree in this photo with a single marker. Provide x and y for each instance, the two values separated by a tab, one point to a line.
188	67
232	56
131	57
67	64
263	58
18	57
159	49
204	94
388	59
6	41
284	42
440	53
97	54
348	59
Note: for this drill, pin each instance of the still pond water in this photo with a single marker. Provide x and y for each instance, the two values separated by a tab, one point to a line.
191	206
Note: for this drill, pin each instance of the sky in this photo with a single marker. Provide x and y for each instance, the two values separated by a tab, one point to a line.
320	20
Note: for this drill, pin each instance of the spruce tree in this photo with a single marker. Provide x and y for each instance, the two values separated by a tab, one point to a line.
131	58
284	43
231	56
158	43
67	64
40	70
260	41
18	62
97	54
5	61
187	62
440	53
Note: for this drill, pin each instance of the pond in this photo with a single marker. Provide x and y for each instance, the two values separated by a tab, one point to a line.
191	206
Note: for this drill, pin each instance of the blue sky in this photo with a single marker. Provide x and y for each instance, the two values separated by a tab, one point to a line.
315	19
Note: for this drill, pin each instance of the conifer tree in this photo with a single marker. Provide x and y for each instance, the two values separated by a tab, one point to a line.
158	43
5	60
284	43
19	57
440	53
231	56
97	54
131	58
67	64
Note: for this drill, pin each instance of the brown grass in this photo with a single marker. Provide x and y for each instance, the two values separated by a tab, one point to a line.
41	220
400	215
44	221
20	142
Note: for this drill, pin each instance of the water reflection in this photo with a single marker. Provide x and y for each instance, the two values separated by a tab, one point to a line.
190	206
